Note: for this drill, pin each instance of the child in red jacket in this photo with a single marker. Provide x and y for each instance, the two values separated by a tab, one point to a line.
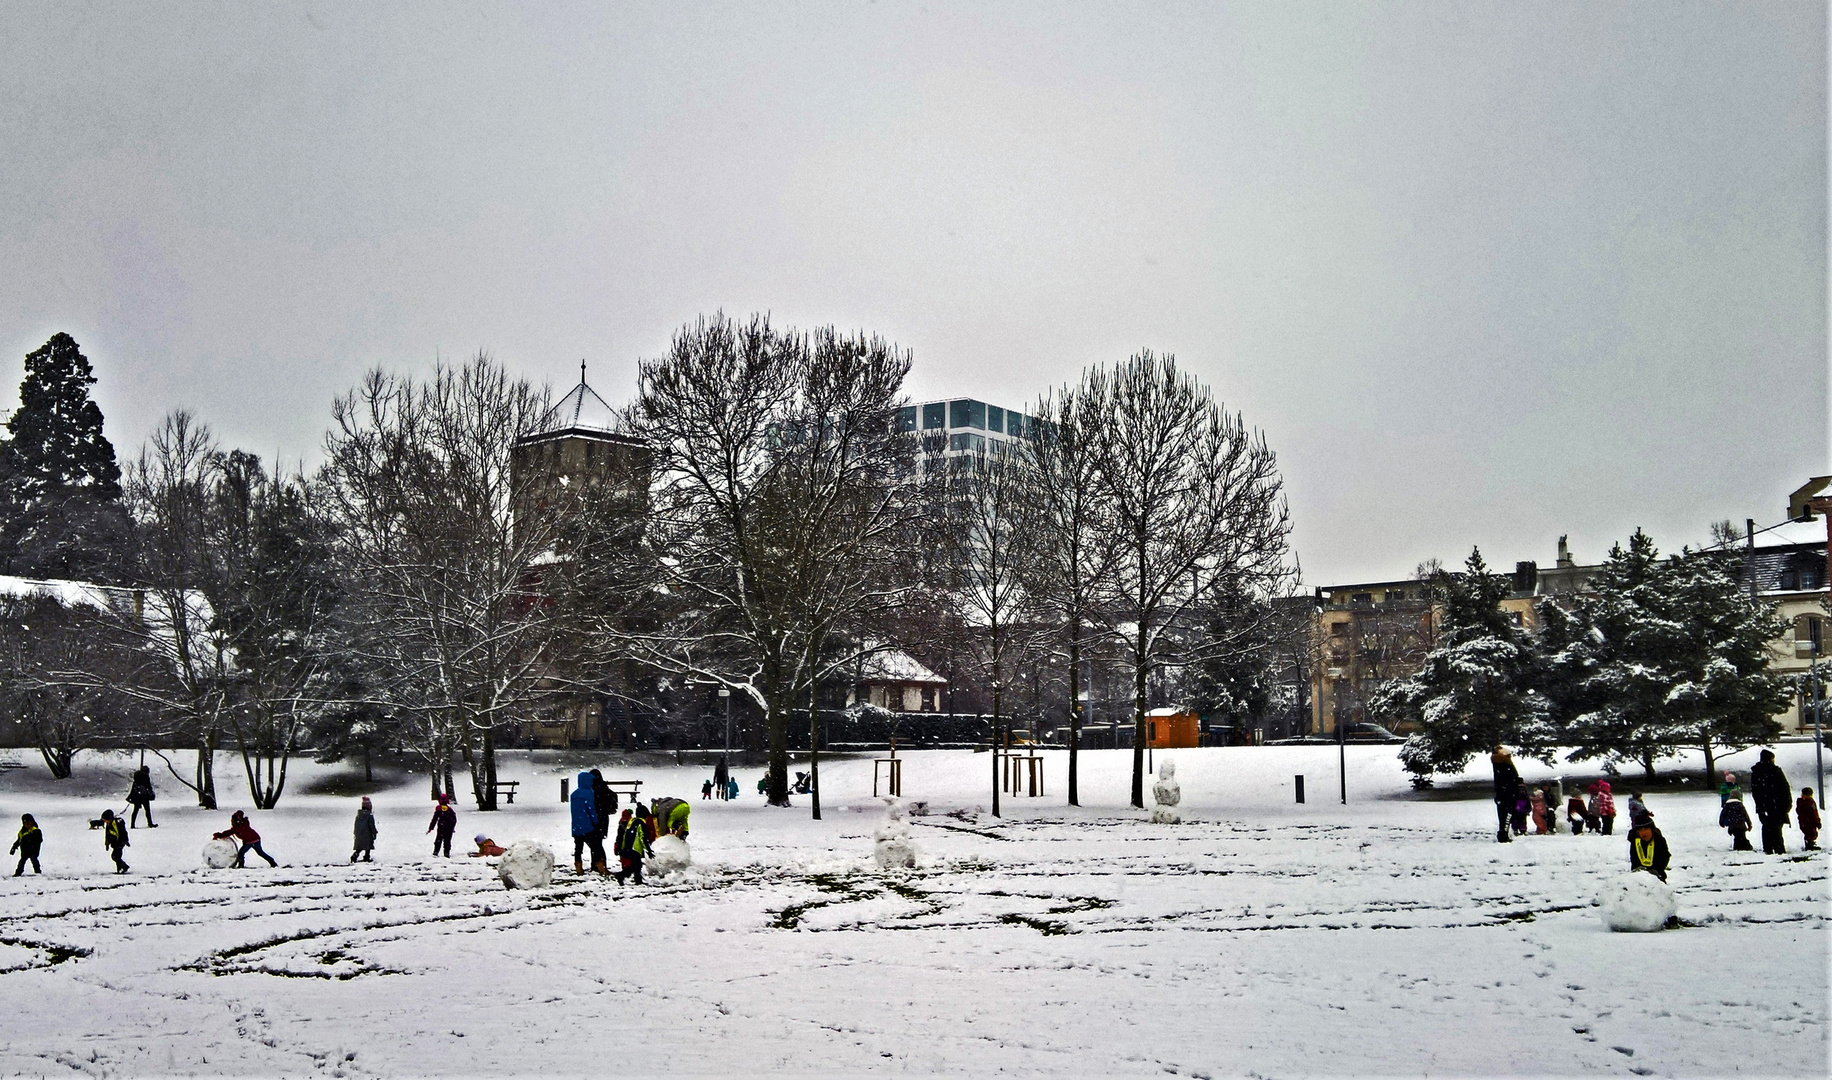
244	834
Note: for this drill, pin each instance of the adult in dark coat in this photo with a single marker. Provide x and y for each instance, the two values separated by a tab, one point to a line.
583	805
604	804
365	832
1769	788
140	797
1507	790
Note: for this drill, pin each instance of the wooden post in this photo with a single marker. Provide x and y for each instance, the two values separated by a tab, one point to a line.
563	785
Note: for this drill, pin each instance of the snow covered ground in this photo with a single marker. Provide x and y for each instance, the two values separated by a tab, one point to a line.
1390	936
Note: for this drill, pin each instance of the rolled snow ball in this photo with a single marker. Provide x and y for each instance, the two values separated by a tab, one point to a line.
1637	903
219	854
894	852
668	855
526	864
1164	815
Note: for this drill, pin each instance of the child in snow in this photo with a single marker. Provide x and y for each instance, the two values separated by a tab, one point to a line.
1735	820
1603	809
486	847
1647	849
1517	818
27	845
364	845
1538	804
630	847
731	789
114	838
706	790
243	833
445	819
1635	806
1806	811
1576	814
1728	788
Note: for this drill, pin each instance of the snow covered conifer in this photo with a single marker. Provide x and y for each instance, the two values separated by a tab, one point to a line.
1662	655
1477	686
60	485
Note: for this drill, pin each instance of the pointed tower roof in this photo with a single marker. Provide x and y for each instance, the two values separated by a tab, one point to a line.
581	411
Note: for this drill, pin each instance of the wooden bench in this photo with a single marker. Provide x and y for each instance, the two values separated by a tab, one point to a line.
505	788
629	789
9	766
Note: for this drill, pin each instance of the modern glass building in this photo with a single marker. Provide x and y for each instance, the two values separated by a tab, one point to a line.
961	426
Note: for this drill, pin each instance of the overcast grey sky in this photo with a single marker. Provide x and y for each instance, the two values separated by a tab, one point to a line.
1483	273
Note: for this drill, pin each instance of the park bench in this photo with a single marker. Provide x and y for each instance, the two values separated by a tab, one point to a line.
506	789
626	790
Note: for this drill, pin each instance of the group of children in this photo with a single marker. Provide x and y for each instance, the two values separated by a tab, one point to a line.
708	789
1734	818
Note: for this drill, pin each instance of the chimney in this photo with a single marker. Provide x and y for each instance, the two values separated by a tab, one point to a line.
1564	553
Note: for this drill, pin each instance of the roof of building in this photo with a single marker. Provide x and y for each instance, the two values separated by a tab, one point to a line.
581	411
1788	567
897	666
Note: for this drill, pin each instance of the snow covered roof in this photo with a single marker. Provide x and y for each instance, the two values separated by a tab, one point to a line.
897	666
581	410
69	593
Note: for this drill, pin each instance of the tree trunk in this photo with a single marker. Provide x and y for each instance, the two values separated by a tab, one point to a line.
776	726
368	768
1647	763
814	747
486	795
1138	722
1710	763
206	774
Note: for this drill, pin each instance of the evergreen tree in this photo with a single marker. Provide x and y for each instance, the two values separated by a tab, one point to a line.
1661	655
60	486
1477	688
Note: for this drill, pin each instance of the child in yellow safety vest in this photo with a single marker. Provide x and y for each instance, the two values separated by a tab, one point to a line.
1647	849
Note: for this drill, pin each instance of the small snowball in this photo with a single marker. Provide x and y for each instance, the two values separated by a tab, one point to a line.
668	855
526	864
219	854
1637	903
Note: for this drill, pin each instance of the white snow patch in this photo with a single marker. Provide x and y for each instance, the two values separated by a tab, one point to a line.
1637	903
526	864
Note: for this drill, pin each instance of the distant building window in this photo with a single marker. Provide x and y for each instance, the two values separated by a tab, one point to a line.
1395	594
1790	578
967	442
906	420
995	419
1362	598
967	413
935	415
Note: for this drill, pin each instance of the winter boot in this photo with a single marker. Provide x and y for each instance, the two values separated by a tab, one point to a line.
578	864
599	867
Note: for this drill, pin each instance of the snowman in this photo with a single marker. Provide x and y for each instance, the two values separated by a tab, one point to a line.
1167	793
891	845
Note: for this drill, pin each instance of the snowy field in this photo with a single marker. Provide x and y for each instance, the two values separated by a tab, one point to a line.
1259	937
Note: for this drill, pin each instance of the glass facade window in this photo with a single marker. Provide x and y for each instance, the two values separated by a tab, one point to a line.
935	415
967	442
967	413
906	420
995	419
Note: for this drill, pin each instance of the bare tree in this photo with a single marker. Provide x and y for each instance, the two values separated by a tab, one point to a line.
1073	542
186	674
1196	501
60	656
989	547
774	503
420	484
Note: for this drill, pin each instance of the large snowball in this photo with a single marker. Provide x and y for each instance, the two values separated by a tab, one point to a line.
1637	903
668	855
220	854
1165	815
526	864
